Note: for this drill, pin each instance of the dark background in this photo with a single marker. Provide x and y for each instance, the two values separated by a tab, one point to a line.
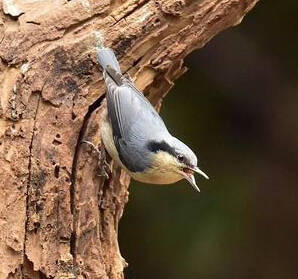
237	108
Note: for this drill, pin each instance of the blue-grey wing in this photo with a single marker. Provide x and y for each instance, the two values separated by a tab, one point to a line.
135	122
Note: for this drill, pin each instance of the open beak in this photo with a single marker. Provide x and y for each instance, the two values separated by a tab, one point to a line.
197	170
189	176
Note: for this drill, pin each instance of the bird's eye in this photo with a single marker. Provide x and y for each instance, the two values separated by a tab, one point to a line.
180	158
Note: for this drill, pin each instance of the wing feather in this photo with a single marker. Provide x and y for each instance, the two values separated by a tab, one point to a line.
134	122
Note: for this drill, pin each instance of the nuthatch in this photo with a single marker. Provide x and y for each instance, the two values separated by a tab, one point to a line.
136	137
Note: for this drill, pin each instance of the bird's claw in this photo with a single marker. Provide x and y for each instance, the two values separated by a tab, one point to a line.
103	172
93	147
103	164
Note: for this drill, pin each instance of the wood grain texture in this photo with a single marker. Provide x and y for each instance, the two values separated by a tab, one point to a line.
58	218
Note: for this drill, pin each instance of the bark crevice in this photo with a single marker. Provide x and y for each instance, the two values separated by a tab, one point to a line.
29	173
81	135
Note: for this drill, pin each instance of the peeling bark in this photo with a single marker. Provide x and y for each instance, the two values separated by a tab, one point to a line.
58	218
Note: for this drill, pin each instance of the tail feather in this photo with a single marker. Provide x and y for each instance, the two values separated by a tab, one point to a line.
106	57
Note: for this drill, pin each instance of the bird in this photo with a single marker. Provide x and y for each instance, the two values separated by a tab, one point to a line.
136	137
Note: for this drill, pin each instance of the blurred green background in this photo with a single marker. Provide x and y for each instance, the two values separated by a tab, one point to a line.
237	107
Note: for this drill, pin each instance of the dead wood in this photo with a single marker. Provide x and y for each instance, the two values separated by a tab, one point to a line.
58	218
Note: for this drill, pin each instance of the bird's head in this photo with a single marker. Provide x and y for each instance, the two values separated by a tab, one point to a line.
173	156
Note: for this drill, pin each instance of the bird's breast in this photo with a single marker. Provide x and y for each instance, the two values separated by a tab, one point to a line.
156	176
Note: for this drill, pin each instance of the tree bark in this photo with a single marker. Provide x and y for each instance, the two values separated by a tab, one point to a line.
58	218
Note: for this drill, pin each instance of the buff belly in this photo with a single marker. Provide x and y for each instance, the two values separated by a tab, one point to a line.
155	176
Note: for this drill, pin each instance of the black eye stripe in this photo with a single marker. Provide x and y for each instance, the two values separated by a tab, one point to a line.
155	146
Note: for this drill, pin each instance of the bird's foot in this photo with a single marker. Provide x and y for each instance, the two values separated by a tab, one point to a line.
105	167
93	147
102	162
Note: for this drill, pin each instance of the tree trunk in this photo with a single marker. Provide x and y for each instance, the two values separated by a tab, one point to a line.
58	217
